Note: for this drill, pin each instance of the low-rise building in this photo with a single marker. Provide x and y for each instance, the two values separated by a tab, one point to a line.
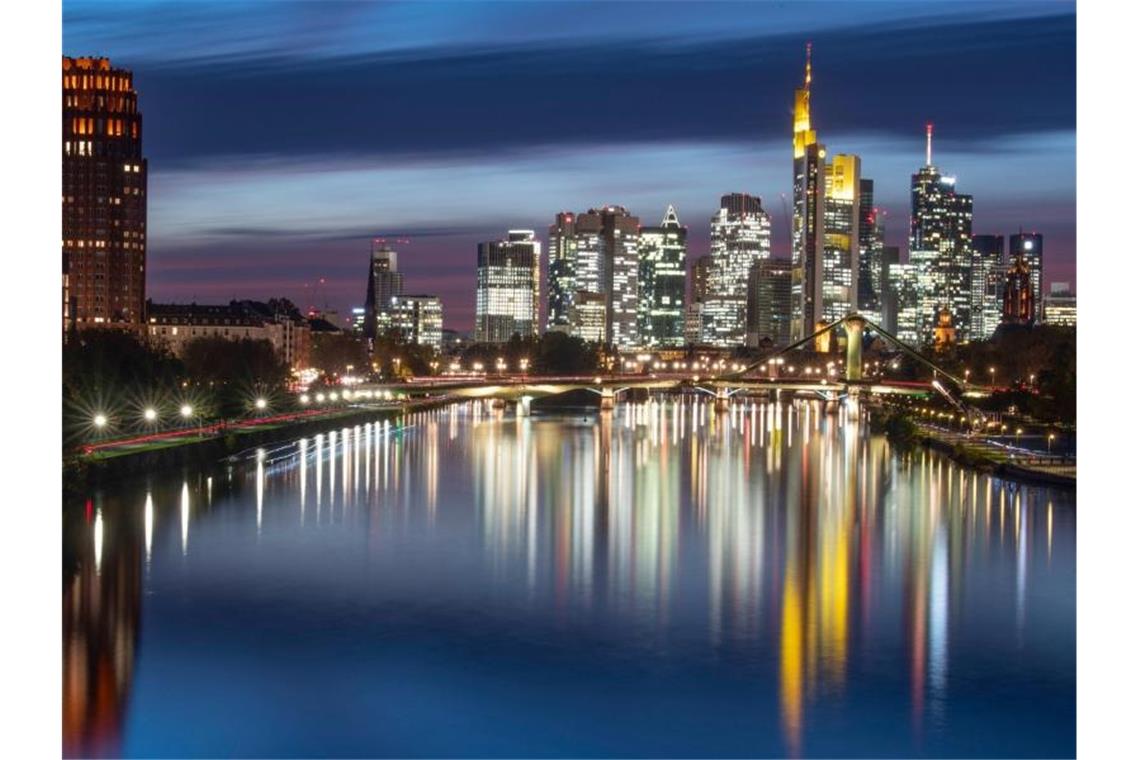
419	319
175	325
1061	305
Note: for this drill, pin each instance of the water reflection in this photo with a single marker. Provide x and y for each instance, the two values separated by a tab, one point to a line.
786	543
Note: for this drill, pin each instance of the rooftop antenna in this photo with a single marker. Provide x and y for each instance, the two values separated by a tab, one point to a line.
929	136
807	69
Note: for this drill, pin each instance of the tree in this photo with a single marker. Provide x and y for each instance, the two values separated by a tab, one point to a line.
235	372
334	353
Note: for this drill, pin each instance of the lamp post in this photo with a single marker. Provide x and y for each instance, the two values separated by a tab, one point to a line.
992	371
1050	442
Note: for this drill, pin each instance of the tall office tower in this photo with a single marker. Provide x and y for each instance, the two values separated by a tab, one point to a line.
661	290
888	297
1018	306
699	279
606	262
418	319
741	235
385	282
562	246
506	287
807	214
987	284
904	286
941	228
841	227
769	309
104	197
870	253
1031	247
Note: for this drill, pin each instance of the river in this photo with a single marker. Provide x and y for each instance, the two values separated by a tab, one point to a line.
662	580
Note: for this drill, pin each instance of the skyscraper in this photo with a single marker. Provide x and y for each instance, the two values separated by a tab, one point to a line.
941	228
104	197
769	303
418	319
741	235
807	214
506	290
606	263
385	282
661	290
562	257
1031	247
904	286
987	284
841	224
889	298
1018	306
699	279
870	277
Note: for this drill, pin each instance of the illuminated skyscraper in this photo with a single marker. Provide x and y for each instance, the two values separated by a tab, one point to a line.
1018	306
506	290
104	197
987	285
840	237
562	257
606	262
807	214
385	282
741	235
889	298
904	287
1031	247
419	319
661	290
870	277
941	228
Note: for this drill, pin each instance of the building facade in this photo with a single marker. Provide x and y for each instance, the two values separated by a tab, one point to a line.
769	303
561	244
1060	305
941	232
418	319
1018	305
176	325
385	283
1031	247
507	287
740	236
987	284
661	290
104	197
808	161
870	277
606	263
841	224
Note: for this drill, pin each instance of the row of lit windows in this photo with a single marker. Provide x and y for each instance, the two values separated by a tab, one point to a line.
97	82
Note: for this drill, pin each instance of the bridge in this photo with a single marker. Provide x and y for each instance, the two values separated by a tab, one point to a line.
770	375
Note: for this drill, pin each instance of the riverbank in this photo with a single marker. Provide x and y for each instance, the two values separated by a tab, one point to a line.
109	465
957	449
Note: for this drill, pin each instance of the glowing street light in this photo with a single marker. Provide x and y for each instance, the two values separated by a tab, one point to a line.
100	420
186	411
992	371
304	398
149	414
1050	442
260	403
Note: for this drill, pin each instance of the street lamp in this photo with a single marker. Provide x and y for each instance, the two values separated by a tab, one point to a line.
100	421
149	414
304	398
186	411
1050	439
260	403
1019	432
992	371
967	377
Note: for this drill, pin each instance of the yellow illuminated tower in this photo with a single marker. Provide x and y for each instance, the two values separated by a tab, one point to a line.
807	214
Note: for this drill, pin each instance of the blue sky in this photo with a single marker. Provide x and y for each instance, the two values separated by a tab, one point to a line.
282	136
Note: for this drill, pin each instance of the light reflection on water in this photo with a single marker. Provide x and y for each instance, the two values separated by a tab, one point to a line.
766	580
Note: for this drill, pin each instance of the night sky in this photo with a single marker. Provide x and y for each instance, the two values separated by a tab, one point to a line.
283	136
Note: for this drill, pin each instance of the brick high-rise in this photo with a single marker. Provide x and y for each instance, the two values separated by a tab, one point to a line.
104	197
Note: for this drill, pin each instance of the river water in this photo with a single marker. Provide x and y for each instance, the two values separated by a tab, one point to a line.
663	580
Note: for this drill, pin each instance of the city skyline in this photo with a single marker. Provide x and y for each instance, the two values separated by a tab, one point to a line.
220	214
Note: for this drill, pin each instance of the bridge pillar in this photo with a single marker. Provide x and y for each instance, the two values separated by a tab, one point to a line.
607	400
522	408
854	325
831	404
722	400
496	403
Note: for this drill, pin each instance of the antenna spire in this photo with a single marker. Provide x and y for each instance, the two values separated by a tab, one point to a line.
807	68
929	138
